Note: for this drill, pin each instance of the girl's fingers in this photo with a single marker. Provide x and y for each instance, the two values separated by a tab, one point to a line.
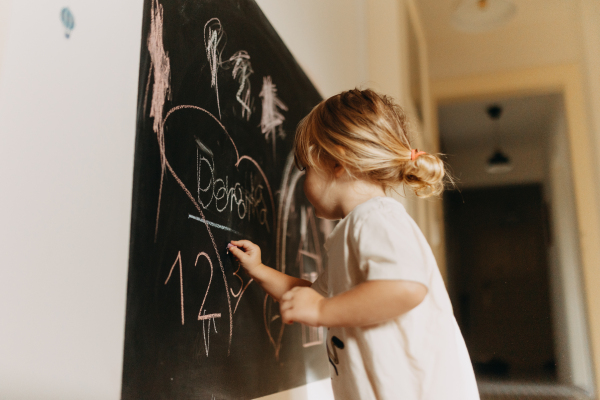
245	244
236	252
284	306
286	317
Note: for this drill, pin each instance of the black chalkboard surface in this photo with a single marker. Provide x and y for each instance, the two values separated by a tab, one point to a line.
219	99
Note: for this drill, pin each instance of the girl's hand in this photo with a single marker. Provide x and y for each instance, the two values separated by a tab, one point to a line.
303	305
246	253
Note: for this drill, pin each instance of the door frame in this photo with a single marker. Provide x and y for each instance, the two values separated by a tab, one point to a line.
567	81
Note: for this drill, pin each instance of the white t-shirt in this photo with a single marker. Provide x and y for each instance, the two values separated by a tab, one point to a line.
420	355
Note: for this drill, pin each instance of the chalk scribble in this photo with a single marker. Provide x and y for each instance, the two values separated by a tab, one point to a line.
161	90
214	42
242	69
271	119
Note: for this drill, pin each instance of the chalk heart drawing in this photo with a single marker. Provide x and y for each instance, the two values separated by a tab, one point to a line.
161	91
239	160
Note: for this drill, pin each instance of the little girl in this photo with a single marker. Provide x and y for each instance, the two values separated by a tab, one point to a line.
392	334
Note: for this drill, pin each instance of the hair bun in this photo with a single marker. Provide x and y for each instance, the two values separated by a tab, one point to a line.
424	174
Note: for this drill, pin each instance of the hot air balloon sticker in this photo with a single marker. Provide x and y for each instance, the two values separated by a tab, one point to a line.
66	16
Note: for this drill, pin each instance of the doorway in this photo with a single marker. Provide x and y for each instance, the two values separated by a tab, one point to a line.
512	245
498	280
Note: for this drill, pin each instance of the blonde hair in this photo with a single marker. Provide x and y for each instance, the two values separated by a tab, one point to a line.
367	133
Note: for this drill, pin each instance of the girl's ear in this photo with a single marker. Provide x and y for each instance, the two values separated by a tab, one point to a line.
338	170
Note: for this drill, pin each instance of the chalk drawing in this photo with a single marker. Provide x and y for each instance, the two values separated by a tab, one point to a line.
242	69
202	315
243	288
271	119
178	261
247	199
206	332
203	147
161	90
215	40
218	191
225	228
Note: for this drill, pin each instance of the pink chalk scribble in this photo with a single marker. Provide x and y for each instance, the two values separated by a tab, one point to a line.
275	342
271	119
243	287
200	315
161	90
178	260
161	65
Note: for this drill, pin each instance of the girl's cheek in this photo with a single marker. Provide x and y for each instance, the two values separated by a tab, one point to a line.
308	192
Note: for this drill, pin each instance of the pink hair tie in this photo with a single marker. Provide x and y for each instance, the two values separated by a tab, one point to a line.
414	154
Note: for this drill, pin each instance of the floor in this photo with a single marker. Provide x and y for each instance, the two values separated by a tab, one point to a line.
529	391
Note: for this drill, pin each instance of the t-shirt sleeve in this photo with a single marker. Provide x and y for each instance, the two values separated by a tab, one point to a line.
320	284
389	247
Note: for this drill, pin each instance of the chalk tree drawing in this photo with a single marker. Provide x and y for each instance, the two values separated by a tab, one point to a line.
271	119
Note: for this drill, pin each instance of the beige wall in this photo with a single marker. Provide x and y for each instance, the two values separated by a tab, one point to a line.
543	32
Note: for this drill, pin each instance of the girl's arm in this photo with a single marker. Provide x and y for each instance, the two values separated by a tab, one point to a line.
275	283
366	304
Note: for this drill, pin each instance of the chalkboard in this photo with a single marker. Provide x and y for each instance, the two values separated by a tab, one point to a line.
219	99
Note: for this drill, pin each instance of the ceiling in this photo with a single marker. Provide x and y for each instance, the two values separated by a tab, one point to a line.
543	32
524	120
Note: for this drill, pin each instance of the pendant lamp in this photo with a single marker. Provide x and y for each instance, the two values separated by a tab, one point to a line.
498	162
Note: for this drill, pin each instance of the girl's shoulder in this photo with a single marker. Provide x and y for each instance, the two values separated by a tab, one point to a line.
376	210
379	215
376	216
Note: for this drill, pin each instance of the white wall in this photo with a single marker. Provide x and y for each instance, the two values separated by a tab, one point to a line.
67	126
